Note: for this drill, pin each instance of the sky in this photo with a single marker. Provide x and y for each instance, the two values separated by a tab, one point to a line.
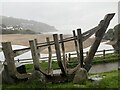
64	15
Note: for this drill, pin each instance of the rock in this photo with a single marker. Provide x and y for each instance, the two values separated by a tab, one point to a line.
96	79
80	76
119	68
36	76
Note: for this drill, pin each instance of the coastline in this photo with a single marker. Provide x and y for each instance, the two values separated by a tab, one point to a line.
21	39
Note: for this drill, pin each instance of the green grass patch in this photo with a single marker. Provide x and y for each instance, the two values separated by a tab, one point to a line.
109	81
73	62
96	60
108	58
43	65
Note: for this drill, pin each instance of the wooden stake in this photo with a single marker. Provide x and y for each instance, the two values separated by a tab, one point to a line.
50	56
98	37
104	54
63	50
86	53
58	54
9	58
69	56
76	46
34	54
37	48
80	46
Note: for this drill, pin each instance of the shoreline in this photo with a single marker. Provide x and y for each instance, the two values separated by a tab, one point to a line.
23	39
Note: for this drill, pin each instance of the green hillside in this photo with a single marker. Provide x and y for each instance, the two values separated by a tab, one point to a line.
34	26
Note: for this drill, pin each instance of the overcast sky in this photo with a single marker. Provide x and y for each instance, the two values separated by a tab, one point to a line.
65	16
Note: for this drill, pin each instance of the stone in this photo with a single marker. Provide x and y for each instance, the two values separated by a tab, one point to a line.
36	76
80	76
96	79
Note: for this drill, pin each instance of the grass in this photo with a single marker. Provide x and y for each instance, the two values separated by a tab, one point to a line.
96	60
43	65
108	58
110	81
73	62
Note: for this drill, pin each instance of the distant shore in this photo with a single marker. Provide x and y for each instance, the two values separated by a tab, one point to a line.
20	39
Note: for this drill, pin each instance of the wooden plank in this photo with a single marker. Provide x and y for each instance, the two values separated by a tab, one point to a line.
9	58
34	54
86	53
63	51
85	36
90	32
104	54
58	54
98	37
20	52
80	44
50	56
38	49
66	56
69	57
76	46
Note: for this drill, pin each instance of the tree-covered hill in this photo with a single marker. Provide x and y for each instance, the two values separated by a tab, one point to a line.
34	26
112	33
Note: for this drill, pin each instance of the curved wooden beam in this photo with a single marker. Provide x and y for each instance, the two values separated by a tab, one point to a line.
99	35
9	58
35	57
58	54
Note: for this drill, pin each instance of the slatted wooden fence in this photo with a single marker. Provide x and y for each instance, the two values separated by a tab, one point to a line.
58	43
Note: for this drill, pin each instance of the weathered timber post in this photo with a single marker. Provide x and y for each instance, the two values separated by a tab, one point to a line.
99	35
81	74
63	50
79	37
118	43
104	54
50	56
86	53
76	46
9	58
58	54
66	57
36	42
69	57
37	47
34	53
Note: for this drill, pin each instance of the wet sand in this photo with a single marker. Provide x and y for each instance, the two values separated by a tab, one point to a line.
20	39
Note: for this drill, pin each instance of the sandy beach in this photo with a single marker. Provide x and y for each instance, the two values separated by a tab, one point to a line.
20	39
